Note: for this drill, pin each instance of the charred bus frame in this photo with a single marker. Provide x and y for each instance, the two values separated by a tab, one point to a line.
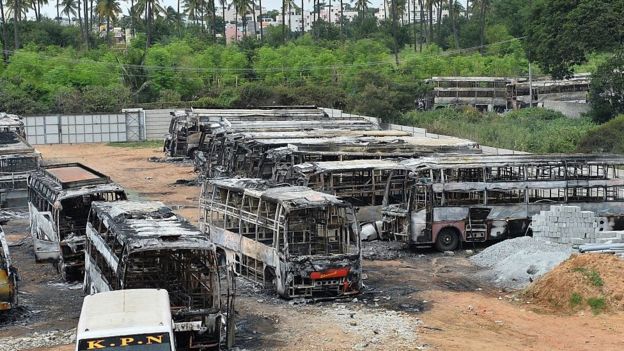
455	199
8	277
300	242
59	198
17	160
136	245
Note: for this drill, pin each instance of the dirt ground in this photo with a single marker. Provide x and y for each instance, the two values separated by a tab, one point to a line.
421	300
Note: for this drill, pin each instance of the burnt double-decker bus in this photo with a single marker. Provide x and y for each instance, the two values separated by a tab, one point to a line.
456	199
59	200
300	242
145	245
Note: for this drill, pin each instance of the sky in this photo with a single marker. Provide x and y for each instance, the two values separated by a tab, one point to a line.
50	9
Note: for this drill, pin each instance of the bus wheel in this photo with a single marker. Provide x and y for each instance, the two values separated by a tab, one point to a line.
447	240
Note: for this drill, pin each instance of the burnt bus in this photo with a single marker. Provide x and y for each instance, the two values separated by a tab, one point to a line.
144	245
17	160
299	242
59	199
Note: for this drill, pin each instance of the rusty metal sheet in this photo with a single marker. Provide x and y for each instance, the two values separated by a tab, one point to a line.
72	174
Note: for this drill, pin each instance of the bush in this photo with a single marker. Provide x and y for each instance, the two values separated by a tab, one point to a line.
608	137
533	130
607	89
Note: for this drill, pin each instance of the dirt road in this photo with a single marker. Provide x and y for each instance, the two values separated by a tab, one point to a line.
423	300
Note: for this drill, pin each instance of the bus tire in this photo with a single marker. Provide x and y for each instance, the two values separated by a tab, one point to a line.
447	240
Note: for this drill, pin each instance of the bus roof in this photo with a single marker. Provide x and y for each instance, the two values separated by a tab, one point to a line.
11	143
124	312
149	225
478	161
291	197
73	175
74	179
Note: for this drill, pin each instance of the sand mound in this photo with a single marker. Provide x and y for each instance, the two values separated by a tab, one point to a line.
585	281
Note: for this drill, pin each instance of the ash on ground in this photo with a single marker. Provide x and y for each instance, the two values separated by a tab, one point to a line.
385	250
181	161
515	263
36	340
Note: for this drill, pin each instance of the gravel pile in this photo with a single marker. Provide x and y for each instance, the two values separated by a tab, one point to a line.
515	263
53	338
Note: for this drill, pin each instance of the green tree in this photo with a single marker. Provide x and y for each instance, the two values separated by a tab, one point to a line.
69	8
607	89
108	9
150	9
561	33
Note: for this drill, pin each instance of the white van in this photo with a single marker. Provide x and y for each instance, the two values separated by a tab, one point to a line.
126	320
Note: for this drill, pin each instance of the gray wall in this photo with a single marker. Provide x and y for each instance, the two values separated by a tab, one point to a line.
91	128
157	123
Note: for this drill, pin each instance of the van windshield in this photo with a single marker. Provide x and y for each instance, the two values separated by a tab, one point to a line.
138	342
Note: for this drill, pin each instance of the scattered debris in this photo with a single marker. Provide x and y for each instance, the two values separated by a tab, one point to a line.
514	263
385	250
37	340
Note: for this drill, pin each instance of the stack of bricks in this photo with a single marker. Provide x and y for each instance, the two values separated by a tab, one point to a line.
566	225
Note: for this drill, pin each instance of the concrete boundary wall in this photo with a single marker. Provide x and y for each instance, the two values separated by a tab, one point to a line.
85	128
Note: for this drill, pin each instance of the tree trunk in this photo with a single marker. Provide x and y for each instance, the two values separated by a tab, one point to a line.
430	9
414	23
236	24
341	16
422	24
409	18
110	42
482	25
148	26
289	14
439	18
452	17
261	26
58	12
224	24
302	19
179	20
201	15
5	51
132	17
16	25
394	31
91	17
214	19
329	13
86	18
467	8
255	20
284	21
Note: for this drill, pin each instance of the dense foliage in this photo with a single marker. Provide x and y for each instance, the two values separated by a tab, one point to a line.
364	65
608	137
533	130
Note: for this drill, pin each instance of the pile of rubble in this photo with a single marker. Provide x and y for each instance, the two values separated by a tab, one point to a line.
37	340
515	263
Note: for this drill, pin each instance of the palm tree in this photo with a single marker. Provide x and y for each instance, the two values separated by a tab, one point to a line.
109	9
362	7
191	9
223	4
483	6
150	9
18	9
452	17
68	8
261	27
5	52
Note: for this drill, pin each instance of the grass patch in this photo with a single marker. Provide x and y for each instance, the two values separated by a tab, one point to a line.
593	276
147	144
597	304
576	299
